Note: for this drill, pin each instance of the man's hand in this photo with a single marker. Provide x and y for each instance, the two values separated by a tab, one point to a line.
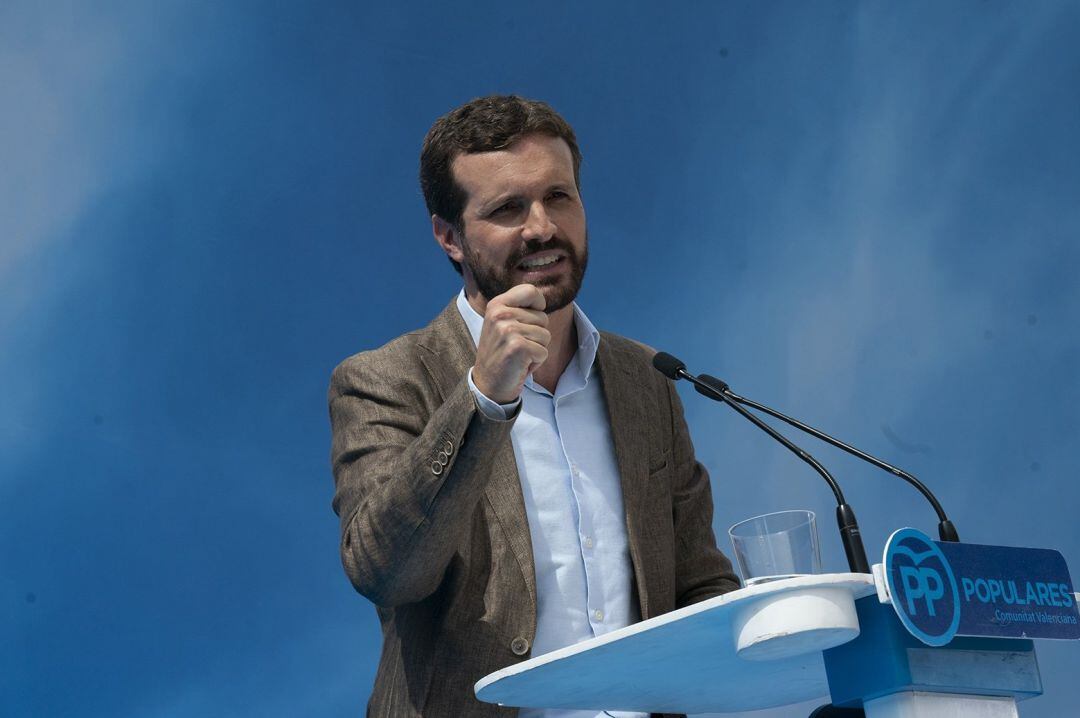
513	343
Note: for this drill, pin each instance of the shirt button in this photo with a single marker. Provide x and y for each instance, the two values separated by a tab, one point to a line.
520	646
598	615
588	542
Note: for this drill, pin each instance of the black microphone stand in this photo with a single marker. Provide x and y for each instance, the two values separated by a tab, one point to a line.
946	529
845	515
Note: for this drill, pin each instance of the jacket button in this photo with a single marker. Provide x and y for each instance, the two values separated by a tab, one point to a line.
519	646
436	468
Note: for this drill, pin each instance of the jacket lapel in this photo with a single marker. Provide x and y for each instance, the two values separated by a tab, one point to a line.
454	352
629	417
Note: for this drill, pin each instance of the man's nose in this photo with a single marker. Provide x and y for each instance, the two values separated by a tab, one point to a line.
538	224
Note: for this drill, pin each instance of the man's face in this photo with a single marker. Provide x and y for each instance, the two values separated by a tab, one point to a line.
523	220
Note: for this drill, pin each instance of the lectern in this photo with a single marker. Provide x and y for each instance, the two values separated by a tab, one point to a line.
935	631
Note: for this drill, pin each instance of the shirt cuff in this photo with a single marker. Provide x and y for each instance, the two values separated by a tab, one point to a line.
491	408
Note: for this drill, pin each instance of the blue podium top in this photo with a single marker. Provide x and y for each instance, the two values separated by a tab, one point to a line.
685	661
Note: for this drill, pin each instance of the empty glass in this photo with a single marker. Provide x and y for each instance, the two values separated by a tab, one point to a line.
777	545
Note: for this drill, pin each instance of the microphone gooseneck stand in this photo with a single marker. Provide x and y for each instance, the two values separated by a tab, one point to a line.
850	536
946	529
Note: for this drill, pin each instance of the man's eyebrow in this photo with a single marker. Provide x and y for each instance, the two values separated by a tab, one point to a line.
485	206
496	201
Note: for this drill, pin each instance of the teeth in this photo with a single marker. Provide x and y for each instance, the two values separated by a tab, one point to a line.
542	262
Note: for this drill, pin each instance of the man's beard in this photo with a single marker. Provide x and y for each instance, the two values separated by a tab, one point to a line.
493	281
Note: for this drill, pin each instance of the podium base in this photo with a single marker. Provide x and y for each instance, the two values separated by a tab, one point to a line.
891	674
916	704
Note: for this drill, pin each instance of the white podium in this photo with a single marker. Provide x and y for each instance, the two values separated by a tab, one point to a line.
771	645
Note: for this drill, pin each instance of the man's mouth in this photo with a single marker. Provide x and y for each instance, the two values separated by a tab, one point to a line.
539	262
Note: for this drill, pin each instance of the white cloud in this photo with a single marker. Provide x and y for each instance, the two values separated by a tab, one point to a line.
70	78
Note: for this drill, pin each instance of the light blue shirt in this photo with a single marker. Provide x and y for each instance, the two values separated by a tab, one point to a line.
573	501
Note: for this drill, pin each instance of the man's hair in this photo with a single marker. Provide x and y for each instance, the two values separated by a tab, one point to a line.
485	124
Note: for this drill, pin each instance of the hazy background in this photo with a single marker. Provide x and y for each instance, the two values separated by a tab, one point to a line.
865	214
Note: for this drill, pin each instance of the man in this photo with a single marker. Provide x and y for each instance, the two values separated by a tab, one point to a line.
510	480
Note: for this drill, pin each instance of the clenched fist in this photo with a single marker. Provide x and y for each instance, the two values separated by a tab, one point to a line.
513	343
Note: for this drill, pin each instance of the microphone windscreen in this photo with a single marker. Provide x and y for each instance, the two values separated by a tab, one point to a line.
667	365
714	383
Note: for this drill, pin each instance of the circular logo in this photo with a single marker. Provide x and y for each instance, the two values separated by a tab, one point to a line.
923	587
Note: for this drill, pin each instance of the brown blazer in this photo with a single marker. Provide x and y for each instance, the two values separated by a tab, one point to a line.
433	525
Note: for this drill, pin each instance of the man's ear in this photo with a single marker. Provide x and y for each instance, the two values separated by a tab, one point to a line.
448	238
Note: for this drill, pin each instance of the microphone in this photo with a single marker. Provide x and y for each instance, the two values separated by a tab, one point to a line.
946	529
715	389
668	365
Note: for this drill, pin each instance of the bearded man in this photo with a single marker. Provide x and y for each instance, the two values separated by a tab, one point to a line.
510	480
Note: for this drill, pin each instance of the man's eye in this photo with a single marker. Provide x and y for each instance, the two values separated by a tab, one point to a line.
504	209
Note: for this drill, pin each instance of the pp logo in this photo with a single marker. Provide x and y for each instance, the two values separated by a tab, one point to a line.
923	583
923	588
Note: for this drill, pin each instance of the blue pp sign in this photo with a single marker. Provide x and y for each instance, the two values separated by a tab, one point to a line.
923	587
941	590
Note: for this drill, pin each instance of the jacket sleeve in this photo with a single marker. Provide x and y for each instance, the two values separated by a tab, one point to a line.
701	569
408	473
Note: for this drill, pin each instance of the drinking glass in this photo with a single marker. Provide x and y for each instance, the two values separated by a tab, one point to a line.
777	545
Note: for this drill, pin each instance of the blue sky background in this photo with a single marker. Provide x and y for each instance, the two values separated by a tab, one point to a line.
865	214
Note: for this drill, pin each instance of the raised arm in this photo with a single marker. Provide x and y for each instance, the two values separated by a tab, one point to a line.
408	472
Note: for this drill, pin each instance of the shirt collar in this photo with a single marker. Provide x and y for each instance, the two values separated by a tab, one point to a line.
588	336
